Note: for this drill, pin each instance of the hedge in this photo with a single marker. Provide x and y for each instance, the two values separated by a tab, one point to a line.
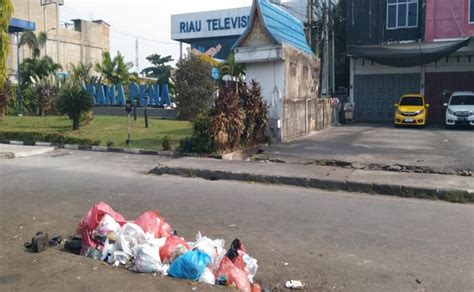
29	138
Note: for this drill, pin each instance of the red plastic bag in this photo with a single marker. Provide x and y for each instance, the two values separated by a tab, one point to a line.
89	223
171	244
151	222
234	275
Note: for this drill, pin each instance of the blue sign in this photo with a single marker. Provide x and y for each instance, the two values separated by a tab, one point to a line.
112	95
215	73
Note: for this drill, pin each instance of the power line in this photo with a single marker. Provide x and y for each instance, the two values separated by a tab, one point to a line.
129	34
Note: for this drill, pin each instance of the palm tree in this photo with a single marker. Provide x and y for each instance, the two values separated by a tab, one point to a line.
235	71
33	42
116	70
83	73
36	67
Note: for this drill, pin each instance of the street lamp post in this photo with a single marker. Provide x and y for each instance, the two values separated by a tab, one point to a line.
20	105
46	42
57	3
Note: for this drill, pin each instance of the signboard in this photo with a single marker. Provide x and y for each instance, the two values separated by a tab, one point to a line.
218	23
215	73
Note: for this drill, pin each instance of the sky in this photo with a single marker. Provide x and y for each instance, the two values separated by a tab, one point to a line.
149	20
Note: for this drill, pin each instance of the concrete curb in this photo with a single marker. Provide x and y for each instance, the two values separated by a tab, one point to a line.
450	195
97	148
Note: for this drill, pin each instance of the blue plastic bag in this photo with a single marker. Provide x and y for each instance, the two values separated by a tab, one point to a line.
189	265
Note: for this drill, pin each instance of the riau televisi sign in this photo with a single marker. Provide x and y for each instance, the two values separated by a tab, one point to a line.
218	23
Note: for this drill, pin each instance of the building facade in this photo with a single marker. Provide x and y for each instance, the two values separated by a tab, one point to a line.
75	42
408	46
215	32
276	54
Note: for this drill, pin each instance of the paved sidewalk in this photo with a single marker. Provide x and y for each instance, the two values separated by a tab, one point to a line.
17	151
433	186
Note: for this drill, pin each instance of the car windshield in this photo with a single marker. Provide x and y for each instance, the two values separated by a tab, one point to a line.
462	100
411	100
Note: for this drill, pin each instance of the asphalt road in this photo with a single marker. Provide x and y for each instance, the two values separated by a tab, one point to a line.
430	147
332	241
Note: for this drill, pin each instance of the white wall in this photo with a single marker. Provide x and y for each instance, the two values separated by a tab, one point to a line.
271	77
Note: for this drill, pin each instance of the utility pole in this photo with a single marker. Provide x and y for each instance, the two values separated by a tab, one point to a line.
136	56
309	27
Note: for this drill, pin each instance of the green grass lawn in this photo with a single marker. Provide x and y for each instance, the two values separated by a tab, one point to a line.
106	129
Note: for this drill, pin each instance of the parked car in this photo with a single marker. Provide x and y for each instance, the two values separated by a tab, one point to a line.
411	110
460	109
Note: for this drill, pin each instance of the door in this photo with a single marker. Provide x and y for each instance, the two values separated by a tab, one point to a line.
375	95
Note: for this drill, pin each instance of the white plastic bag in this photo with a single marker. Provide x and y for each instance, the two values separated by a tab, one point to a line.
148	260
131	236
107	250
118	258
250	266
108	225
214	248
208	277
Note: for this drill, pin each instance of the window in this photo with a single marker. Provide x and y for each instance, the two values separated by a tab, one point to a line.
402	13
471	11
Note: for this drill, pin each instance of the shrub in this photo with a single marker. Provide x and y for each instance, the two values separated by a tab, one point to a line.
166	143
73	100
256	110
86	118
32	137
200	141
194	87
45	90
5	97
110	144
227	123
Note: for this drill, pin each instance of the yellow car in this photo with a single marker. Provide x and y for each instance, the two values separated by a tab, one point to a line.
411	110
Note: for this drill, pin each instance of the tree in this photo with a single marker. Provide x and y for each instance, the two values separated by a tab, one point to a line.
41	67
6	10
194	87
234	70
114	71
83	73
160	70
33	42
73	100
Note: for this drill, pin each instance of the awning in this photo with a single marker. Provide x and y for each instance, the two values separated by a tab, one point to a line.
407	55
19	25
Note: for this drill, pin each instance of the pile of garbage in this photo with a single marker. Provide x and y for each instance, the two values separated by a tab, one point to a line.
149	245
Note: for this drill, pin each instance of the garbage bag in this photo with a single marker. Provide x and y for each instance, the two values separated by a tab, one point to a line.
172	243
90	222
214	248
148	260
230	275
151	222
108	226
246	263
208	277
190	265
235	246
131	236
